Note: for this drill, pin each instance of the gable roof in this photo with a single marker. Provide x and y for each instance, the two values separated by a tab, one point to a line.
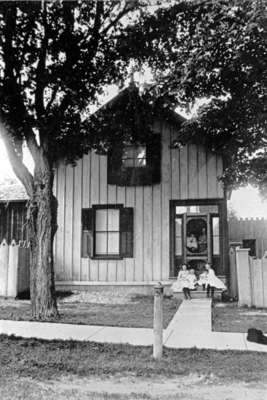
122	97
12	190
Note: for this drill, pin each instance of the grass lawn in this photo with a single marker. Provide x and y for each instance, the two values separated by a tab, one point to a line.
134	312
228	317
42	359
34	369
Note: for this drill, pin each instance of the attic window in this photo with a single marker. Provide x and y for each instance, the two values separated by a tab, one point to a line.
135	164
134	156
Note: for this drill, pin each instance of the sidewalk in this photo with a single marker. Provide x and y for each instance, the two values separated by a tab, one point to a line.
190	327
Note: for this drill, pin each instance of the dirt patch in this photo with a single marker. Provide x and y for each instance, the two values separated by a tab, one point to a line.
98	298
97	308
191	387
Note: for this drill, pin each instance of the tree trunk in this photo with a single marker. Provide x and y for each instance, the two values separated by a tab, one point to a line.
42	216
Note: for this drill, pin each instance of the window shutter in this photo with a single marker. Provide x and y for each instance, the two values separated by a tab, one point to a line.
126	232
154	158
115	165
87	232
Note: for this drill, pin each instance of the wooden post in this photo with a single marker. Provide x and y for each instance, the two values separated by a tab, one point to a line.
158	321
244	279
233	273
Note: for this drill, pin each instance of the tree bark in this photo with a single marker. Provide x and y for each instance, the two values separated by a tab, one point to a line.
42	216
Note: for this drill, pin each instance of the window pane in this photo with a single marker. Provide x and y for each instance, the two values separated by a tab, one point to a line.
178	246
141	162
113	219
101	221
197	209
216	245
140	156
178	227
128	162
113	243
180	209
101	243
216	235
128	152
134	156
215	226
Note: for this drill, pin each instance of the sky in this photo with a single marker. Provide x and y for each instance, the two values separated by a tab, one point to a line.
246	201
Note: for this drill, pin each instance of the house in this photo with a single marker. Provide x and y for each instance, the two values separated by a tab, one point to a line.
249	233
13	200
131	217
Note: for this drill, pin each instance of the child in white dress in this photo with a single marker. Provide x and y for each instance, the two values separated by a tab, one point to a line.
202	281
181	281
190	284
213	282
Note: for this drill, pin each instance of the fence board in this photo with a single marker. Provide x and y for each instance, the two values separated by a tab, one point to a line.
264	279
12	279
244	277
257	288
14	268
4	253
233	274
252	279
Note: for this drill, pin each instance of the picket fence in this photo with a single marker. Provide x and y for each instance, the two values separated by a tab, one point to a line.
251	279
14	268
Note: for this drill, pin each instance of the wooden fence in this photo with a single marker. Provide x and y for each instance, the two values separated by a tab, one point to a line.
251	279
14	268
241	229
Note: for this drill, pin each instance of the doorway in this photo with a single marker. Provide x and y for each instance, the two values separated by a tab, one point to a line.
196	237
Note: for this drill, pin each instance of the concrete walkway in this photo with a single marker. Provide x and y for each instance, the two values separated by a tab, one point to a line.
190	327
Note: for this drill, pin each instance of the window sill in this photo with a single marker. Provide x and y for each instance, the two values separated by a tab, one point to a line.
106	258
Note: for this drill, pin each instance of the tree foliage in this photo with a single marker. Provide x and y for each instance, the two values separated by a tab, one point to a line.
217	51
55	59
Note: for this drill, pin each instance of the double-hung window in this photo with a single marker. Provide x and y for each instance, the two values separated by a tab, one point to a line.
107	232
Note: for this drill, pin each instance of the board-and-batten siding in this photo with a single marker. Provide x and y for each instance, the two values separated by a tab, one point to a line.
187	173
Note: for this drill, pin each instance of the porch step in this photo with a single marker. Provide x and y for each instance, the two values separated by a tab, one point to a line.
199	293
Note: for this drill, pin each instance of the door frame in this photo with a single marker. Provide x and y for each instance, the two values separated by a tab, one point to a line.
222	211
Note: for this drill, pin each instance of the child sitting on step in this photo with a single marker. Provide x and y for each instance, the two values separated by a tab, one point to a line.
213	282
181	281
202	281
190	284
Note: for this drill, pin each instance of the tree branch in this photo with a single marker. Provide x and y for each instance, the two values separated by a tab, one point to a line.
33	146
93	43
129	6
52	98
40	84
14	153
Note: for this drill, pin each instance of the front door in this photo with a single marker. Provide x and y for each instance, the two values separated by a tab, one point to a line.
196	239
